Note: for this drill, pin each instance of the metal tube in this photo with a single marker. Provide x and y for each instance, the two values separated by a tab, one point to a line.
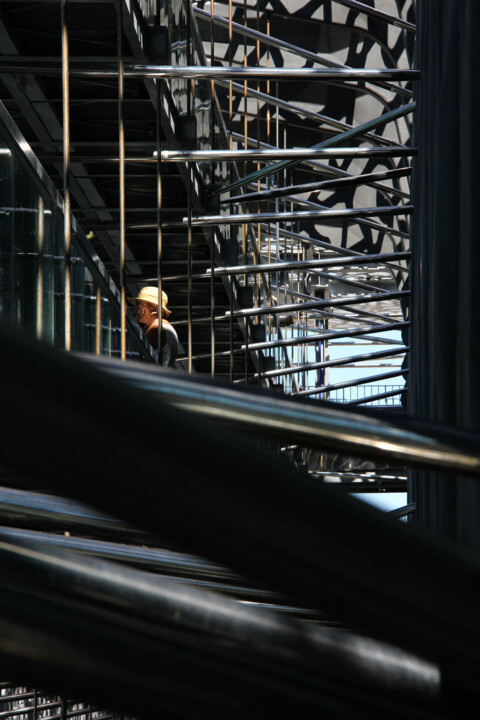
403	511
378	14
265	268
386	229
53	513
121	152
338	362
256	73
159	218
40	248
317	186
231	350
307	264
335	172
212	180
66	177
299	110
316	423
298	215
342	137
189	271
345	280
374	398
354	383
327	245
328	336
251	633
227	155
98	321
332	302
282	45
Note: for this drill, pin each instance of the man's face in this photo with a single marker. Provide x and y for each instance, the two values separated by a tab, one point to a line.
144	313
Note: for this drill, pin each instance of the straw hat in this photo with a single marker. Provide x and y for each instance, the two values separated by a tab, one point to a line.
150	294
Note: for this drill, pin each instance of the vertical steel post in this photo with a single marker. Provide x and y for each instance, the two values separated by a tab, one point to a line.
231	328
212	175
189	266
121	151
189	202
40	246
98	321
66	177
159	216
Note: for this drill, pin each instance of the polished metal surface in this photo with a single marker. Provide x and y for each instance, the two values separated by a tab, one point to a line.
307	264
206	220
293	153
310	423
67	227
257	73
280	44
121	169
379	14
342	137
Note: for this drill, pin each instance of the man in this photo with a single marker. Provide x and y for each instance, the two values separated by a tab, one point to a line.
146	313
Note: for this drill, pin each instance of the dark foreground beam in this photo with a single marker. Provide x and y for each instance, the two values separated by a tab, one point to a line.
91	436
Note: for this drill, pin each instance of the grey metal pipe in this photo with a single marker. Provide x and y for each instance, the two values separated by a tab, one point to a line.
335	363
316	337
256	73
374	398
403	511
331	171
67	218
348	213
299	265
340	138
282	45
317	186
314	304
308	264
226	155
121	152
378	14
302	421
220	622
33	509
291	107
328	246
352	383
198	72
158	560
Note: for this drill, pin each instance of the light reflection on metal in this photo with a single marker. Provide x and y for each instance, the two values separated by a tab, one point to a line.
378	14
381	354
300	110
348	213
259	73
121	152
282	45
98	321
340	138
193	156
40	248
334	335
301	265
365	179
308	421
67	224
353	383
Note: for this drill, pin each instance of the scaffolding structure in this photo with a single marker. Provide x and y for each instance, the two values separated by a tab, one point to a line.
185	542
